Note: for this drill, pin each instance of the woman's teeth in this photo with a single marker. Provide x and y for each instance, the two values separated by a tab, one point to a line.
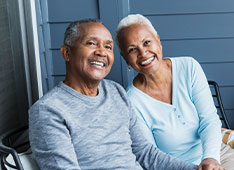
147	61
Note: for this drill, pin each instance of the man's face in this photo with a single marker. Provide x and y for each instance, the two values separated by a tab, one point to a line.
92	55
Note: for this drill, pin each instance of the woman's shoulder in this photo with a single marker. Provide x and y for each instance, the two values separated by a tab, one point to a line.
131	90
185	62
184	59
135	95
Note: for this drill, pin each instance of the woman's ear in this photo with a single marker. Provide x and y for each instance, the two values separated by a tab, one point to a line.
158	38
66	52
124	58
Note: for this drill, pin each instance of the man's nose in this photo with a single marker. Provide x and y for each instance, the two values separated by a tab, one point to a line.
100	51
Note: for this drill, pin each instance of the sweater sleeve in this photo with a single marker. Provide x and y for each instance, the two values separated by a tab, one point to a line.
50	140
148	155
209	122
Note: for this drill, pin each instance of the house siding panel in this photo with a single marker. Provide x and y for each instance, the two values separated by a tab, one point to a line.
201	29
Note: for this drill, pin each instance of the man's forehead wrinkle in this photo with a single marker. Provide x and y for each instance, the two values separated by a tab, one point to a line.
109	41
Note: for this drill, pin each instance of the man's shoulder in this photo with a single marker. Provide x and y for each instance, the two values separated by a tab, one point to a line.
111	84
48	98
114	89
108	81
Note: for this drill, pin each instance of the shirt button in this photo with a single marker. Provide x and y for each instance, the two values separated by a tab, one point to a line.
174	109
183	123
178	116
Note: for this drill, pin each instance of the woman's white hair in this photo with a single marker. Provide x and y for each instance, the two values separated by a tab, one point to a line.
133	19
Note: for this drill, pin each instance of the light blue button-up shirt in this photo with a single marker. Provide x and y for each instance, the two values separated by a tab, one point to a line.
189	128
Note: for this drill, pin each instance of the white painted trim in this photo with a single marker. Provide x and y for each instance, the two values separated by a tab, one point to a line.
25	51
36	48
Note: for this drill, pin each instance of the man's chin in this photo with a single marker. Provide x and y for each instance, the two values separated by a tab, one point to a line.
98	77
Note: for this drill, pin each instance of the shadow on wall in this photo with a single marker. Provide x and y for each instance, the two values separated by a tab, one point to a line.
13	101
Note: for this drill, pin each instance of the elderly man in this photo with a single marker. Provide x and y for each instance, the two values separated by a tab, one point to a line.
86	122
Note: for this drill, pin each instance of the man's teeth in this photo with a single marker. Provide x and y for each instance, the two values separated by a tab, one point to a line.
97	63
147	61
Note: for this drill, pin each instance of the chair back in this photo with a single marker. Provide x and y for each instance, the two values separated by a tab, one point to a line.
15	150
218	102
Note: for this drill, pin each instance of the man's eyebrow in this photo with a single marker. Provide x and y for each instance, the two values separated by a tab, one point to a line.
91	38
109	41
131	45
95	38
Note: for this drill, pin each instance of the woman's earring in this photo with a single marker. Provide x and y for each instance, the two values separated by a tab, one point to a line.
129	68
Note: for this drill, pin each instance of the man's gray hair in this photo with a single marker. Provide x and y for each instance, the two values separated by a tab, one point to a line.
133	19
72	32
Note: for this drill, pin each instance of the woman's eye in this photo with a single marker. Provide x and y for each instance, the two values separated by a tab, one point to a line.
147	42
131	50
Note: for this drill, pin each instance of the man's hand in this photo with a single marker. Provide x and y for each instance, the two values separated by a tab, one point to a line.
210	164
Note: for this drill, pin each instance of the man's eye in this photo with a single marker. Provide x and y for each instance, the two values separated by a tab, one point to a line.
108	47
131	50
147	42
90	43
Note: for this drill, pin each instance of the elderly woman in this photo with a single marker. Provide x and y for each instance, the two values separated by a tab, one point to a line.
171	96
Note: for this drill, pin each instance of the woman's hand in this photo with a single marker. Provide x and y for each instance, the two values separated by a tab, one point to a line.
210	164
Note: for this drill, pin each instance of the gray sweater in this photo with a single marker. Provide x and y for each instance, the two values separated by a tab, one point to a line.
71	131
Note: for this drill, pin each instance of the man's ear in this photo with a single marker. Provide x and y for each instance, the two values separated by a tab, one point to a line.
66	52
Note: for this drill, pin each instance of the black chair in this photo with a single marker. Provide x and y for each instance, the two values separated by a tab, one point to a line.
218	102
12	143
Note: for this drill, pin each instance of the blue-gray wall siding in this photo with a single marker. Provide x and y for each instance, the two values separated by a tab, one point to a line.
54	16
202	29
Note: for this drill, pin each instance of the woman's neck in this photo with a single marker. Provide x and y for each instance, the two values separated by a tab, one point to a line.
156	80
157	85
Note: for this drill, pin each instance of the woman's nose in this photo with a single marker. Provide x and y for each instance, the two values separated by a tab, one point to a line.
142	52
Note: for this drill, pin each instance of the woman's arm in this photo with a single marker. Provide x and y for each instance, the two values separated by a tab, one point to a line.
209	122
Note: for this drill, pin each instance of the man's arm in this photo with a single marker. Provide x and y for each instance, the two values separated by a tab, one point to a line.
50	140
148	155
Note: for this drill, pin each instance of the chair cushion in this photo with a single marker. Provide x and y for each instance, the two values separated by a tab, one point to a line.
228	137
26	159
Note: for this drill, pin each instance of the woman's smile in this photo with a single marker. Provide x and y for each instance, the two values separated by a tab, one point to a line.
147	61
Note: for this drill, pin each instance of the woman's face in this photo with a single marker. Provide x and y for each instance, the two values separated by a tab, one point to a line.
140	48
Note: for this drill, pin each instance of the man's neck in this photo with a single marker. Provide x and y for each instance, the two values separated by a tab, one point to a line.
87	88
